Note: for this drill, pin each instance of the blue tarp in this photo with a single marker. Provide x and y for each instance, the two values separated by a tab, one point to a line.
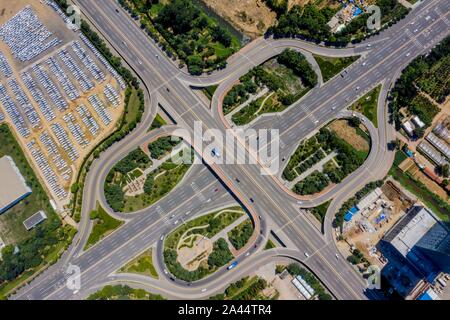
425	296
349	215
358	11
353	210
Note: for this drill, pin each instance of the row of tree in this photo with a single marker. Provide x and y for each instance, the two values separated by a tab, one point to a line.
311	23
162	146
405	90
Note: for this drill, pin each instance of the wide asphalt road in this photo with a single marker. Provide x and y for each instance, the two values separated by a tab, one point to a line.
168	85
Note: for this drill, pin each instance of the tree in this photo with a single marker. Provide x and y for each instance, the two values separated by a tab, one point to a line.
419	132
355	122
148	184
222	35
74	188
443	170
221	254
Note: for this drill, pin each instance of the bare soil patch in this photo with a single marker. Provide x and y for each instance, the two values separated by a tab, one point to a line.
349	134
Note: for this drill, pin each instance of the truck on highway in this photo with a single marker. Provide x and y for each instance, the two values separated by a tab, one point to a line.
231	266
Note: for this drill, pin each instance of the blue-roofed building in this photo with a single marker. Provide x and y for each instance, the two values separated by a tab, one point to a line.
428	295
350	213
421	242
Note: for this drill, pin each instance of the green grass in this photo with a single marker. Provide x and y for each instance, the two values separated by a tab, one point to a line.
209	91
167	177
11	226
143	264
104	224
269	245
400	156
157	123
245	289
367	105
133	107
225	219
320	211
120	292
330	67
440	207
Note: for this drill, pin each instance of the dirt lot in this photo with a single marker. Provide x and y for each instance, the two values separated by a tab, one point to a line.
249	16
431	185
349	134
253	17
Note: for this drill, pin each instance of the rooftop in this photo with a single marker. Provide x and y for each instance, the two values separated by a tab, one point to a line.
14	186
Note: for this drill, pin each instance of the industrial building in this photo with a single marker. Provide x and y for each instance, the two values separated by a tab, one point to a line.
442	131
409	128
418	122
417	248
34	220
432	153
14	187
439	144
366	202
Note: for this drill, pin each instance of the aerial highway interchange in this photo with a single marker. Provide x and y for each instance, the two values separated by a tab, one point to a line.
273	207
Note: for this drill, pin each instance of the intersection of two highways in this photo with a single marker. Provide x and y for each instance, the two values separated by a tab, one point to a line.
273	207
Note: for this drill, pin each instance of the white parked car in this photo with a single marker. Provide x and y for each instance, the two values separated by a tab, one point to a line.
306	254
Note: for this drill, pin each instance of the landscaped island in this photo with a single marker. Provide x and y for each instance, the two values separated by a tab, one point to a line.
270	87
199	246
328	157
140	179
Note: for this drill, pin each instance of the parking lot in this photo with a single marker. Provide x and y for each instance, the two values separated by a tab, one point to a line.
58	94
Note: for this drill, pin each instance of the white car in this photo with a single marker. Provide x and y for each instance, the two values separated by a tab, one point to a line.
176	222
337	256
299	202
306	254
215	153
364	63
204	290
247	254
188	212
357	88
369	45
162	238
408	54
165	271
